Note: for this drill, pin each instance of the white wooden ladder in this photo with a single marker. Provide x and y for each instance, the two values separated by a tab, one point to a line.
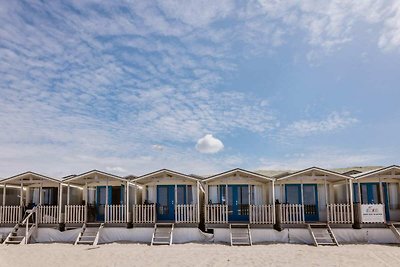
240	234
22	232
322	234
89	234
162	234
395	227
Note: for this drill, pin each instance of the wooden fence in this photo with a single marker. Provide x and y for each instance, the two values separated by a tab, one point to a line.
115	214
47	214
10	214
216	213
262	214
145	213
292	213
339	213
75	214
186	213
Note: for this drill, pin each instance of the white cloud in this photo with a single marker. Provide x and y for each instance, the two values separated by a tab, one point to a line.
209	144
390	37
158	147
333	122
116	169
324	157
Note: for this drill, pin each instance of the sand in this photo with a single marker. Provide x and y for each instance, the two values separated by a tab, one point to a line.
198	255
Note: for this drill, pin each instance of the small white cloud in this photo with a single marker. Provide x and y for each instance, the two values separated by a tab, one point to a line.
209	144
158	147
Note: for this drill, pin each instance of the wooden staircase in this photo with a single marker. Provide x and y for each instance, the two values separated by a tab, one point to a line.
395	227
322	234
163	234
89	234
22	232
240	235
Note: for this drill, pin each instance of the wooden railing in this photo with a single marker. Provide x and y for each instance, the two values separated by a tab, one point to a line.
75	214
262	214
47	214
292	213
29	228
115	214
145	213
187	213
339	213
216	213
10	214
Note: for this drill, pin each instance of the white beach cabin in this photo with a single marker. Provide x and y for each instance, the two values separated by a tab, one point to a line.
239	199
29	200
315	195
168	199
378	193
96	199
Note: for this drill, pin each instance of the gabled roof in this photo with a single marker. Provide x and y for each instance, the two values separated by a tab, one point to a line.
377	171
167	172
31	175
314	169
91	173
235	171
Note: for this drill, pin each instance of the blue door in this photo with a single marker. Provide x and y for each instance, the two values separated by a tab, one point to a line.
101	201
310	198
238	202
165	202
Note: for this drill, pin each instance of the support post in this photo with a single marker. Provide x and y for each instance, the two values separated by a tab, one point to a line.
127	218
105	210
60	217
326	199
21	192
278	216
41	193
198	200
4	194
302	201
176	201
351	200
68	192
86	202
273	201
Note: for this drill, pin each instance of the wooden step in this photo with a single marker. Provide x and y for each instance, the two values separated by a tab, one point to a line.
322	234
240	234
162	234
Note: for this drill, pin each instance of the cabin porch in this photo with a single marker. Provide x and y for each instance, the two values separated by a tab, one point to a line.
26	193
97	197
377	193
239	197
167	197
314	195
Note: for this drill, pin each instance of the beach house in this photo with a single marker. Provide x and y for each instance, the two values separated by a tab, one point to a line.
317	199
29	200
377	193
168	199
238	200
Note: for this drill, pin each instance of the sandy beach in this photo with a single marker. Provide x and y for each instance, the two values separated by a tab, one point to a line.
198	255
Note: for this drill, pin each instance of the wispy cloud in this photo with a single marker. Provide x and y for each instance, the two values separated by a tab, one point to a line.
333	122
324	157
89	85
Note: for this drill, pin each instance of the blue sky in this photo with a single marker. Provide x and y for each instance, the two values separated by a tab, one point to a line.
198	86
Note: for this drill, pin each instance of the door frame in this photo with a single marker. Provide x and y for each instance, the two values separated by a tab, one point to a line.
307	218
101	217
235	216
171	203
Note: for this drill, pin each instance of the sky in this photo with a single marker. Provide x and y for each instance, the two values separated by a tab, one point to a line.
130	87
